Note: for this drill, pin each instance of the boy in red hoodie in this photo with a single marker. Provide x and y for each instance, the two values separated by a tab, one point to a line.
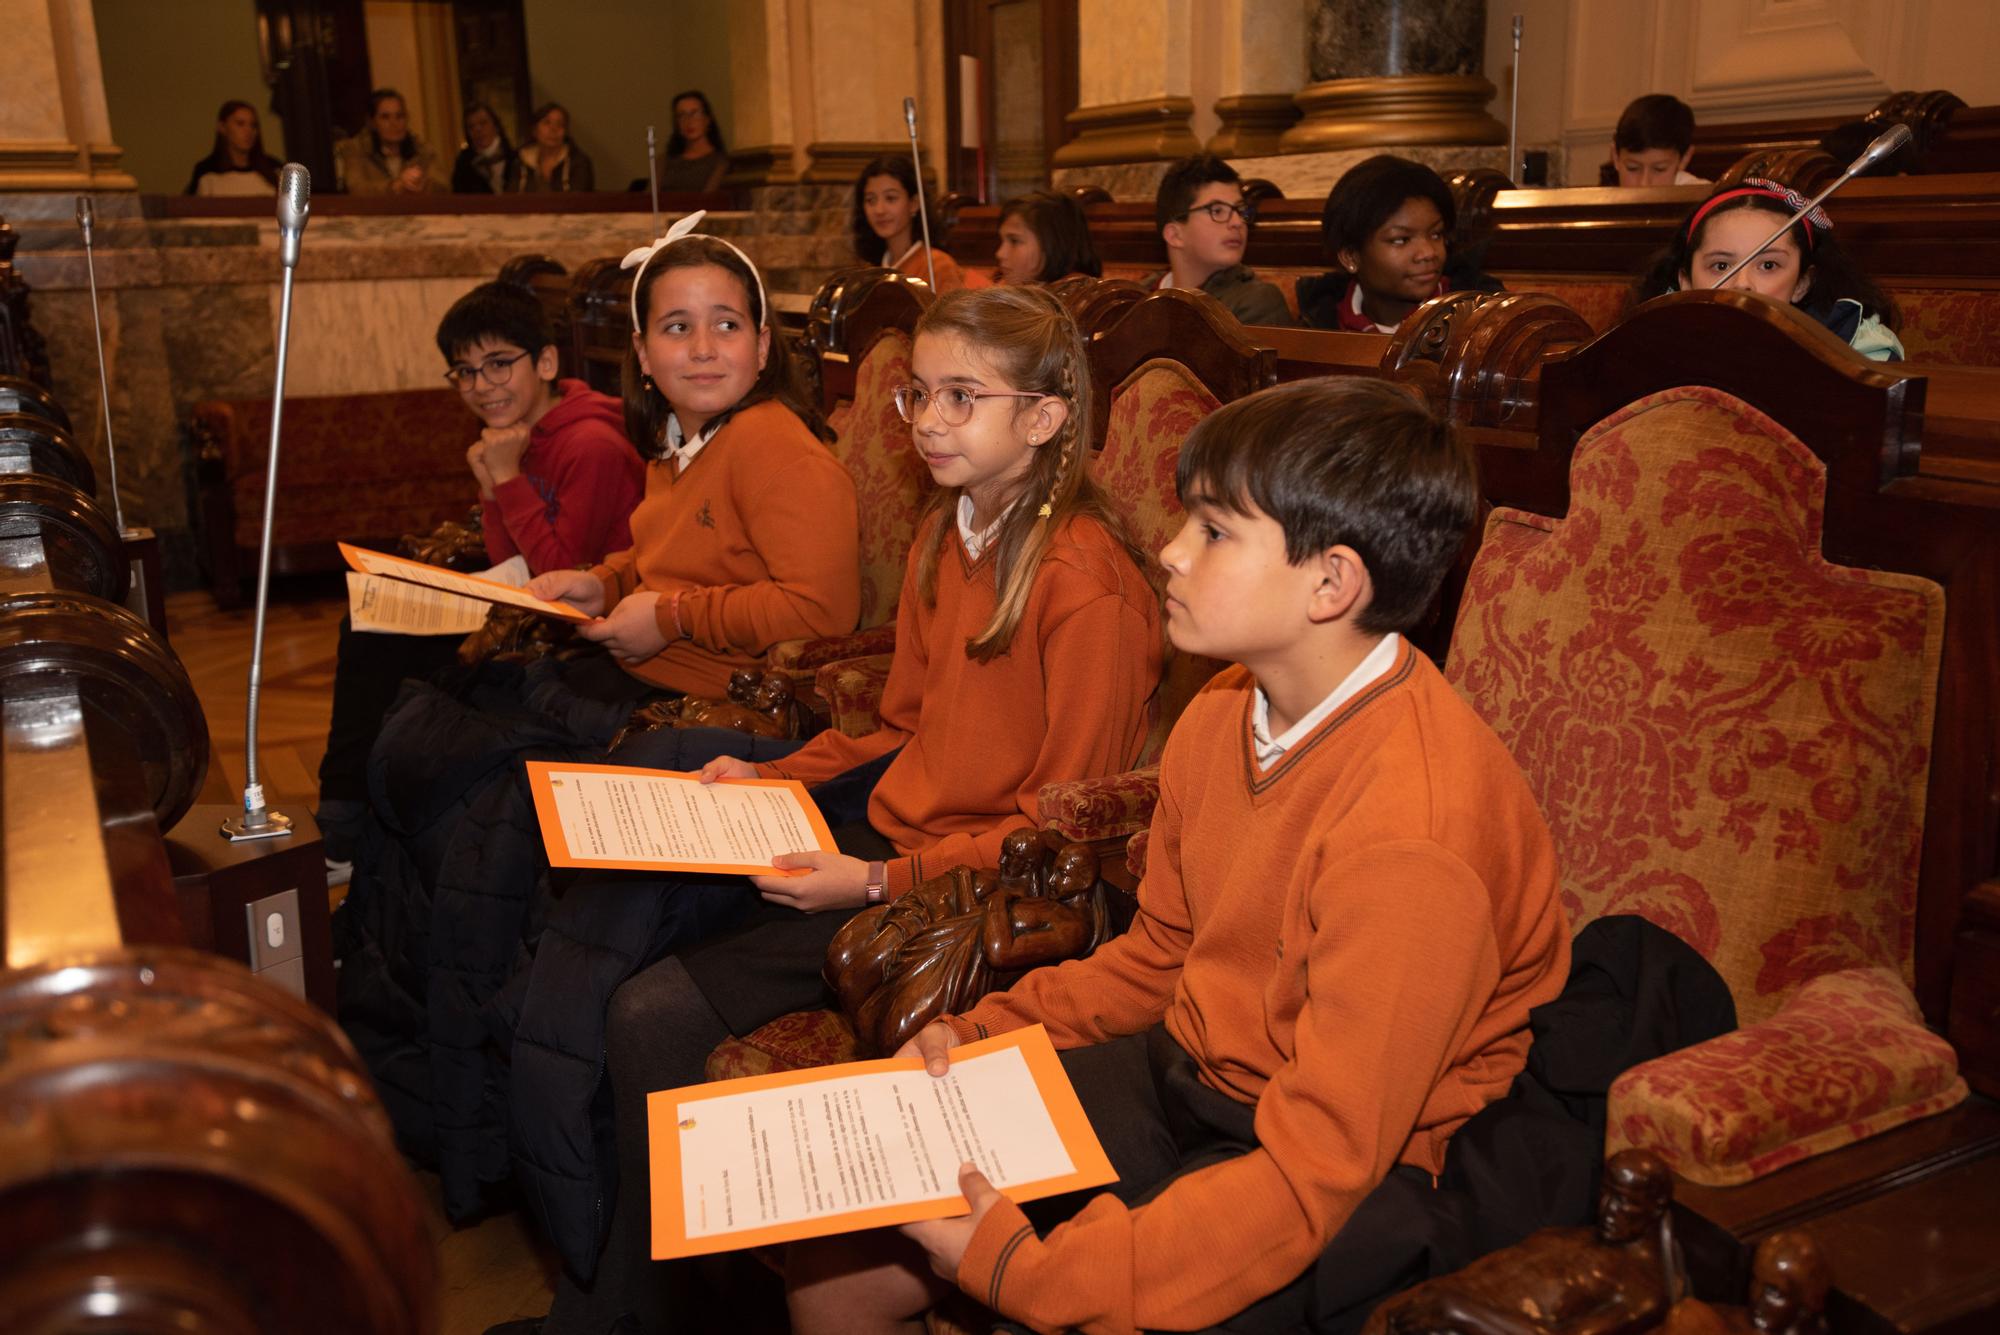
557	484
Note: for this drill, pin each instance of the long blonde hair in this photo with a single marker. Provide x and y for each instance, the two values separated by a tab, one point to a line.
1027	336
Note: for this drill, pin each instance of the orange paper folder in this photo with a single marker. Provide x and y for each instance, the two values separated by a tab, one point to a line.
814	1158
451	581
634	822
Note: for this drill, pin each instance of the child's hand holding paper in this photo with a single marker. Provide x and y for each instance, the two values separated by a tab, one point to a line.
815	882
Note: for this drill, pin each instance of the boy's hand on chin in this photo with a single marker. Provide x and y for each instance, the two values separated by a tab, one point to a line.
833	881
475	458
504	446
632	631
947	1239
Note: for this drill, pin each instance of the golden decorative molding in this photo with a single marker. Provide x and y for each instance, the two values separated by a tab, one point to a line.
840	163
56	164
1253	124
1152	130
1394	109
760	164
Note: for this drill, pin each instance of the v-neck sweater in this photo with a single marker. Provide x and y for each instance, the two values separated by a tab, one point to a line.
1349	941
1070	698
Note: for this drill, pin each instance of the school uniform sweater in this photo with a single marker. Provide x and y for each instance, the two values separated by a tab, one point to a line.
1071	698
951	275
758	535
579	479
1350	941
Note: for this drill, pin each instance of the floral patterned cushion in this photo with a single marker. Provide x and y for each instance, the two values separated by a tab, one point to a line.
805	655
1728	735
1135	853
890	482
1108	808
1601	304
852	691
1846	1058
1957	328
789	1043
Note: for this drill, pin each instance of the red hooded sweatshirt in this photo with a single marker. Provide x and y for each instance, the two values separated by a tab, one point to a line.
572	501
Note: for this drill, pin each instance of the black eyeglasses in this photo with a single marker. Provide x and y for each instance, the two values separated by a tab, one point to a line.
1218	212
493	371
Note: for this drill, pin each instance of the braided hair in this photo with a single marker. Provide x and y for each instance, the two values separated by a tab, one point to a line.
1025	335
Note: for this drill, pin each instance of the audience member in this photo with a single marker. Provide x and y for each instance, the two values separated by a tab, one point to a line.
553	162
1028	649
557	482
1205	223
1350	907
1044	236
1387	224
1653	142
486	164
1805	267
237	163
887	224
696	161
384	158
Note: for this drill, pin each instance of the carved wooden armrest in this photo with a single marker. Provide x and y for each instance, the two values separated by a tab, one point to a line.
455	544
804	656
1107	808
851	690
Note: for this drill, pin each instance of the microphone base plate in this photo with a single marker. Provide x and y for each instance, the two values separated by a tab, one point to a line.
239	829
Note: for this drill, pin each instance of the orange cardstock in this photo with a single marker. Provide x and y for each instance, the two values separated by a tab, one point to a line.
672	807
451	581
835	1149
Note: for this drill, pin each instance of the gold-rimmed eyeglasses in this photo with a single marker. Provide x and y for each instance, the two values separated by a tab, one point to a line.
954	402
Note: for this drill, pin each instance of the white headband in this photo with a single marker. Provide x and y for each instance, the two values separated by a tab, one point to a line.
680	231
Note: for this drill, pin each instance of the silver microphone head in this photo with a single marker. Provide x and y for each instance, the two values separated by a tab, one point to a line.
910	113
86	214
1886	143
294	203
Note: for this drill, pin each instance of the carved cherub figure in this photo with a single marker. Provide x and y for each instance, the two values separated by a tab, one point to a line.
757	702
1788	1284
1619	1277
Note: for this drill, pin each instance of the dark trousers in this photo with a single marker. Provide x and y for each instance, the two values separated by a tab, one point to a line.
368	671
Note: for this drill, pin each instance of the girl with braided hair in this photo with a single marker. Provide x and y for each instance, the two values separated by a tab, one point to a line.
1805	267
1028	649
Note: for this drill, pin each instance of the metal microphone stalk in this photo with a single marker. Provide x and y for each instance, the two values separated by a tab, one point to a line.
86	218
1885	144
1514	111
653	175
923	209
258	821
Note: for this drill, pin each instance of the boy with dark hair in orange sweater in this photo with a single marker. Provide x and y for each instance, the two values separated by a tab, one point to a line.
1349	908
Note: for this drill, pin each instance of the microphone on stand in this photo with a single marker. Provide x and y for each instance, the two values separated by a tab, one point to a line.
86	217
923	209
294	203
1514	172
1888	142
653	175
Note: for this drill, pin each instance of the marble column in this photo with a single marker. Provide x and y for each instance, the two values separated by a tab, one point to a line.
55	127
1135	83
1388	72
862	60
1262	52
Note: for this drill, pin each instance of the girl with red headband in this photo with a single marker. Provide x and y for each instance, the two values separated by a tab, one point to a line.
1805	267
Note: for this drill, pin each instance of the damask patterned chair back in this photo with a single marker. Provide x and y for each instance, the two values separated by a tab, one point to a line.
889	480
1728	735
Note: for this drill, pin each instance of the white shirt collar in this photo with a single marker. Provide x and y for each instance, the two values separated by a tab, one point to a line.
682	450
897	263
1166	281
1354	304
1270	750
977	543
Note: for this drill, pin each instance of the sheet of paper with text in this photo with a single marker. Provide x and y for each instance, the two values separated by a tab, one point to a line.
621	817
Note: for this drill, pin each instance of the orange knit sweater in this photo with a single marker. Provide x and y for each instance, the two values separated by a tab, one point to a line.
1351	941
1070	699
758	534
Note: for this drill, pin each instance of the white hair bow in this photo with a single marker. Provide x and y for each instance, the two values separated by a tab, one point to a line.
640	258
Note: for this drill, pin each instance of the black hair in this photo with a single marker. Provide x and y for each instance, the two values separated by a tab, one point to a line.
1369	194
867	245
1657	120
1062	231
217	160
783	379
1184	181
545	109
1345	460
1835	277
676	142
375	100
506	144
498	311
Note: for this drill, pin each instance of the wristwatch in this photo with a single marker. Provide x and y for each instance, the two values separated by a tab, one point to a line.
878	882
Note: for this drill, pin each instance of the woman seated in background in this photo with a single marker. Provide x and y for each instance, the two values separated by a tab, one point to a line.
385	158
552	162
1044	236
1388	225
486	163
1805	267
888	226
237	164
695	161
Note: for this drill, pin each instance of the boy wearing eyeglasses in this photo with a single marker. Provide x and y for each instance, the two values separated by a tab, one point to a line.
1205	223
557	484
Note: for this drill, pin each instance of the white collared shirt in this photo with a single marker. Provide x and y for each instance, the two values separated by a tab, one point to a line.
897	263
682	450
1354	304
1270	750
1166	281
977	543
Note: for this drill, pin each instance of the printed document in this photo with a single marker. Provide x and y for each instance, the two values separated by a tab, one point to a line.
618	816
467	586
397	607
